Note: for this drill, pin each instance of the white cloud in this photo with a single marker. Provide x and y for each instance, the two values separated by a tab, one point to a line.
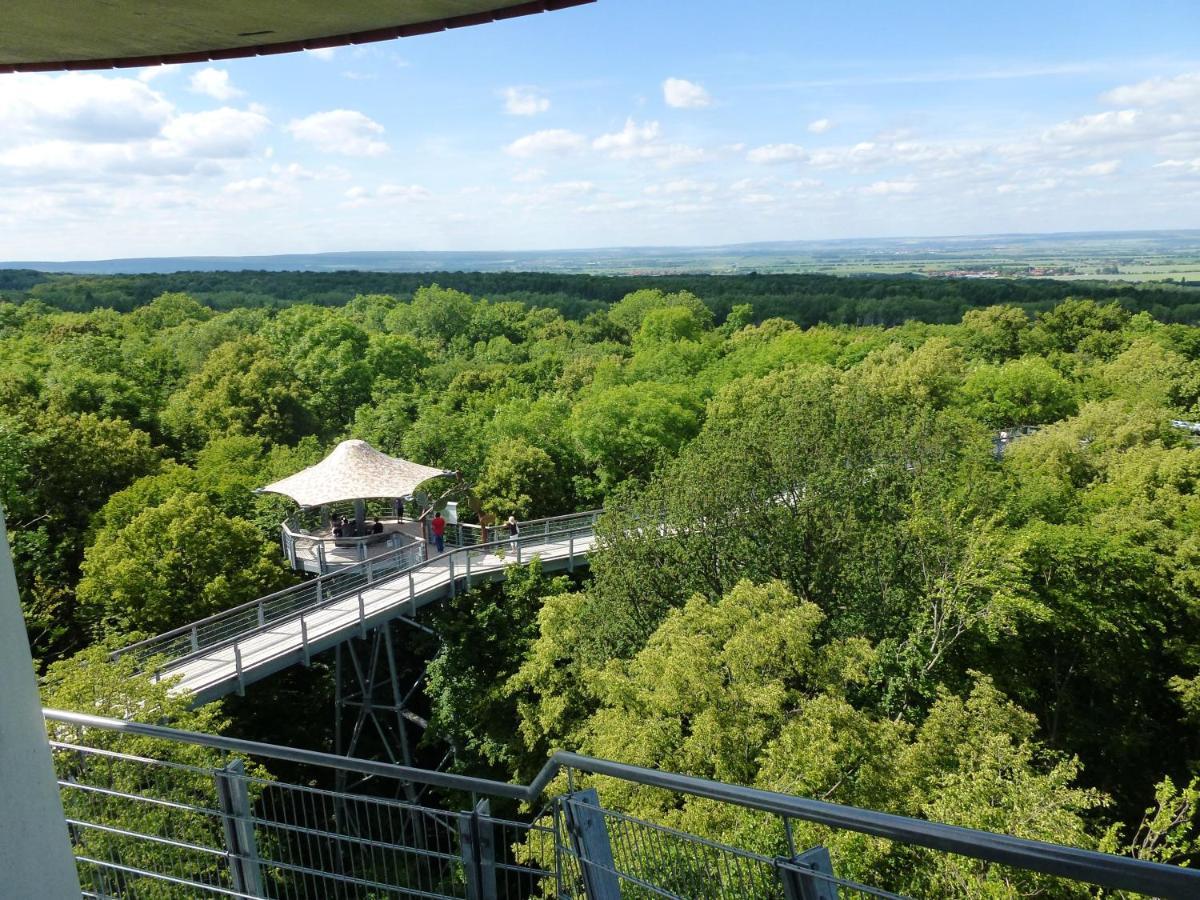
79	106
820	126
524	102
528	176
344	131
1098	127
550	142
152	73
1180	89
776	153
633	140
1191	165
682	186
890	188
1107	167
216	133
214	83
683	94
324	54
403	191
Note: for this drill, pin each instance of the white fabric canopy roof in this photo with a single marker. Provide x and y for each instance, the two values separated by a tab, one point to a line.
354	471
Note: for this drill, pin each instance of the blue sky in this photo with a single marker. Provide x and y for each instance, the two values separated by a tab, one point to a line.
625	123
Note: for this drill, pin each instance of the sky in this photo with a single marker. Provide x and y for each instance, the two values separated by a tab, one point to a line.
625	123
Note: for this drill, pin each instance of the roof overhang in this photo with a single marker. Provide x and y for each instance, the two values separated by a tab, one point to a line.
354	470
36	36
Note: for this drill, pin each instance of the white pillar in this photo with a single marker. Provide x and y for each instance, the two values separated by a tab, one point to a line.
35	852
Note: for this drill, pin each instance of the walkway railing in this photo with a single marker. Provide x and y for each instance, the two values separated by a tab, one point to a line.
143	825
294	603
220	628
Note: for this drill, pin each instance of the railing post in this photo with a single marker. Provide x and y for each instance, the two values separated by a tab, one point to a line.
801	876
450	559
571	552
468	570
237	667
238	821
362	616
518	542
322	567
370	574
319	585
412	591
304	639
195	639
262	616
478	849
589	838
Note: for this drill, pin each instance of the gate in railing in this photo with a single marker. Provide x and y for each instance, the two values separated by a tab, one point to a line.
157	813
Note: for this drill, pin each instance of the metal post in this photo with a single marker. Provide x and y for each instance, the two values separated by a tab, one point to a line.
362	616
468	570
571	553
412	591
518	550
801	876
589	837
304	640
319	587
370	574
262	617
195	639
450	558
322	566
478	852
237	666
238	822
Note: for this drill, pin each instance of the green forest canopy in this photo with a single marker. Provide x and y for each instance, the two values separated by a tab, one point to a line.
860	600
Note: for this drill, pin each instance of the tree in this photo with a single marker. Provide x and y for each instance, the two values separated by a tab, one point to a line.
624	430
522	480
243	388
174	563
633	308
484	635
745	690
994	332
1027	391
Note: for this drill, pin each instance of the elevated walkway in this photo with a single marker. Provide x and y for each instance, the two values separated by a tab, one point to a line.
223	653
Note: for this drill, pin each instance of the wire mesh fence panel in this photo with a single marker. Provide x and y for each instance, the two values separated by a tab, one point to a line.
320	843
142	827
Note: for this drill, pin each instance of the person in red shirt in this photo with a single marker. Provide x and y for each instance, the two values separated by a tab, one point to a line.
438	527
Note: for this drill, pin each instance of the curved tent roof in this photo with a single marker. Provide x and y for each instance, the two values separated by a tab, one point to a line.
37	36
354	471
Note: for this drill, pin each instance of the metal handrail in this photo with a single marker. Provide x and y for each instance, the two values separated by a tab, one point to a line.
326	597
1088	866
393	576
321	580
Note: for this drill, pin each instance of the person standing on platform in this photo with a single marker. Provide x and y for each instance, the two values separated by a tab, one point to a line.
513	531
438	527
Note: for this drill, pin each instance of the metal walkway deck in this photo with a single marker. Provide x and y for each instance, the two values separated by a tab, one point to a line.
222	654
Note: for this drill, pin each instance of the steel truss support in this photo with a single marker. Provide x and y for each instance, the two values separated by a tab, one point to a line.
369	699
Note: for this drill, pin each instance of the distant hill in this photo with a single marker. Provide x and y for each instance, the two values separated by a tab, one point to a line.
1087	254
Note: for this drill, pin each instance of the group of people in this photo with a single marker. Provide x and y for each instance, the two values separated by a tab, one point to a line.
344	527
437	527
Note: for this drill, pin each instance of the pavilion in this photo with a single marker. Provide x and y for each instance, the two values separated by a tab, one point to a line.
353	473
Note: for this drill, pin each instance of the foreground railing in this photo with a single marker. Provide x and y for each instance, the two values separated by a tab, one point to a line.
155	812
